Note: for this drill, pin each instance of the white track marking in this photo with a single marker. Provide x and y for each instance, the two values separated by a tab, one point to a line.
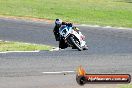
19	51
97	26
59	72
88	25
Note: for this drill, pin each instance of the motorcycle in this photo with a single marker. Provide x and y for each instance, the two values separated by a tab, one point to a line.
73	38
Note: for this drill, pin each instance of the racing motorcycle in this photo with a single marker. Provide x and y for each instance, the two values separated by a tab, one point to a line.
73	38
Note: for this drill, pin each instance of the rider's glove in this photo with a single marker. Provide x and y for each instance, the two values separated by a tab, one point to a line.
69	24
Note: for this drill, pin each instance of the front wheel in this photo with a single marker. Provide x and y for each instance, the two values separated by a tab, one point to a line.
76	43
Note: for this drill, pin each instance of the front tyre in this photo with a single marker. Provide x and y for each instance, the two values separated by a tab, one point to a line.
75	43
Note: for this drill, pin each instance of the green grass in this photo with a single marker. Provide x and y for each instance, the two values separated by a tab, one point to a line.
19	46
101	12
126	86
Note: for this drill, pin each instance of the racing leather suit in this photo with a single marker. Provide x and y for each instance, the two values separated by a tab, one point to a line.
58	37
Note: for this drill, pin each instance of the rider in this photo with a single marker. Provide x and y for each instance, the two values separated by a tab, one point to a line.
62	42
58	24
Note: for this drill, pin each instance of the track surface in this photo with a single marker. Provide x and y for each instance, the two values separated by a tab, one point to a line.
110	51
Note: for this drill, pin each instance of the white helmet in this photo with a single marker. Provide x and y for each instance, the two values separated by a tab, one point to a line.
58	21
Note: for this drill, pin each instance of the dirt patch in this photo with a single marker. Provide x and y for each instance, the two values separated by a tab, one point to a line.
28	18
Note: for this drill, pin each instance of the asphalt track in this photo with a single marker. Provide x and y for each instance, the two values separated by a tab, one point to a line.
110	51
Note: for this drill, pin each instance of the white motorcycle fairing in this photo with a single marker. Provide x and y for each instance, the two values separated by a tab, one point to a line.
67	32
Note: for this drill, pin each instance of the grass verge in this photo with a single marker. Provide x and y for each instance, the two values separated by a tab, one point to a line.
126	86
100	12
19	46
